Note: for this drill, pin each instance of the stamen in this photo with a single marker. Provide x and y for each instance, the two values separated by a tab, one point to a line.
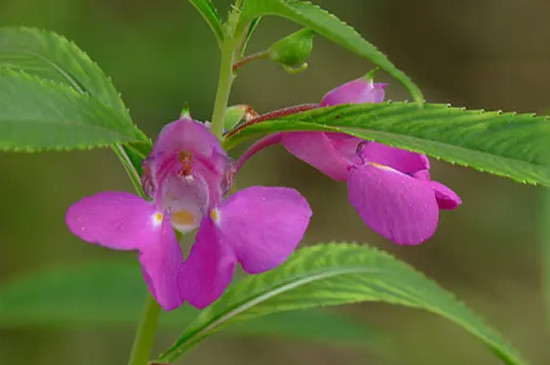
185	157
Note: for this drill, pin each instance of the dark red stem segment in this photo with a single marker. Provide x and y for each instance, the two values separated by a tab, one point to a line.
273	115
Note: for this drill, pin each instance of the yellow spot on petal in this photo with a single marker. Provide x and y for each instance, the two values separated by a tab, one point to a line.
183	218
215	215
157	218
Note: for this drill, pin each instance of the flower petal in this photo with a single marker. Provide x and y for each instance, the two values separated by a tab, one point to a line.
422	175
317	149
161	261
446	198
209	268
405	161
124	221
183	147
361	90
263	225
395	205
186	199
116	220
192	136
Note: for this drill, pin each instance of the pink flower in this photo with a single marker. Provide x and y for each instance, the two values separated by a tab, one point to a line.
186	175
389	187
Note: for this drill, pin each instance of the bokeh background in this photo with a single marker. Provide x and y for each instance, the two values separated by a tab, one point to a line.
491	54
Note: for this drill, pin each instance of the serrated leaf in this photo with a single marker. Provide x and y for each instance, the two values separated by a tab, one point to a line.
210	14
49	56
335	274
41	115
329	26
504	144
107	294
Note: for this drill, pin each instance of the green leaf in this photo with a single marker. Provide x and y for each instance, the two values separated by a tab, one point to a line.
107	294
335	274
504	144
249	32
50	56
210	14
41	115
330	27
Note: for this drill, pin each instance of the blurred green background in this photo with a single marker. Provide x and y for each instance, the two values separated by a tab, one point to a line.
491	54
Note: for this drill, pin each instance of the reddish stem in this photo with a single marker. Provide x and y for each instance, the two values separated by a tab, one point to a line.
273	115
247	59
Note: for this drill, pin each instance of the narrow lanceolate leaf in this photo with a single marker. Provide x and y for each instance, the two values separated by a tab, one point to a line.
41	115
331	275
504	144
50	56
330	27
249	32
210	14
108	294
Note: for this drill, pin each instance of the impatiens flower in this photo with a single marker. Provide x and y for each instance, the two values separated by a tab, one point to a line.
389	187
186	176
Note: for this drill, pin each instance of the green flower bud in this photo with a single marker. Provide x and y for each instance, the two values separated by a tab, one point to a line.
293	50
237	113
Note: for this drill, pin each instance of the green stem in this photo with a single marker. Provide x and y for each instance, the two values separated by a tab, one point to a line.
224	87
145	336
230	45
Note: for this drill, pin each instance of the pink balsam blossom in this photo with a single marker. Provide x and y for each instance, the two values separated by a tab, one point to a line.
186	176
389	187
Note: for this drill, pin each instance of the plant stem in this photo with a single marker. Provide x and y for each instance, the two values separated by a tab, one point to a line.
231	42
252	57
224	87
145	336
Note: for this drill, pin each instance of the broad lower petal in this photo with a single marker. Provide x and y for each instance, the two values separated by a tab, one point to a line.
209	269
405	161
446	198
362	90
124	221
116	220
395	205
161	261
316	149
263	225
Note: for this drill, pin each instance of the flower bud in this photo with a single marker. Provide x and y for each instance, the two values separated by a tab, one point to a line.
293	50
237	113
